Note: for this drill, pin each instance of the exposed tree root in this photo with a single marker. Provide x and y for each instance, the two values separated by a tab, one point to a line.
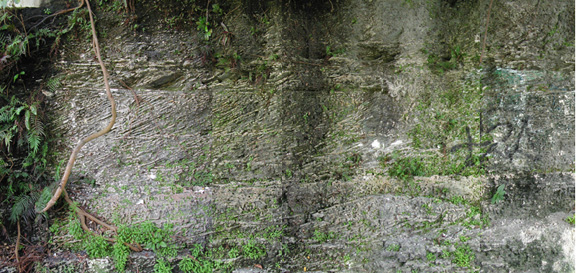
81	143
82	215
486	31
17	246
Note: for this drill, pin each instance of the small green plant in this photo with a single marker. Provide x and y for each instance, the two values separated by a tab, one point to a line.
252	250
457	200
346	258
233	253
463	256
499	195
144	234
393	247
406	168
253	31
197	262
332	53
322	237
204	26
571	220
431	257
427	208
120	253
186	265
162	266
97	247
217	9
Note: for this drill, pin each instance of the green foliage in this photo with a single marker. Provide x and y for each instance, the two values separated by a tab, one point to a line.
116	6
331	53
54	83
186	265
322	237
457	200
431	257
393	247
217	9
162	266
75	228
253	250
448	134
197	264
24	207
97	247
405	168
204	26
120	253
499	195
21	130
463	256
79	22
23	156
441	64
149	236
571	220
145	234
23	143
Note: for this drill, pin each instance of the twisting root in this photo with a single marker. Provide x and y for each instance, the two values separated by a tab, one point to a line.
486	31
17	247
81	143
82	215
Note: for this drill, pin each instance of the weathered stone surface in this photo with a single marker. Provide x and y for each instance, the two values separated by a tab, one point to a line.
293	139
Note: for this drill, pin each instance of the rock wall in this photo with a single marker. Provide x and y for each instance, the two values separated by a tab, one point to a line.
290	117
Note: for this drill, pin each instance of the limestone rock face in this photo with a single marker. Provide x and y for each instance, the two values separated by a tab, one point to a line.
365	134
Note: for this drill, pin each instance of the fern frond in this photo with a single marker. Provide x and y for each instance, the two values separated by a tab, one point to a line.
6	137
34	142
45	196
23	207
5	113
3	40
38	126
54	83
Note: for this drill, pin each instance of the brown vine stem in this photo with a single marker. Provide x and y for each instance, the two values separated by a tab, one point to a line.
81	143
486	31
18	246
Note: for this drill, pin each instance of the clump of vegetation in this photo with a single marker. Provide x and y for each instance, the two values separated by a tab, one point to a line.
127	238
463	256
449	137
197	262
162	266
24	145
499	194
323	237
440	64
393	247
406	167
427	164
571	220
